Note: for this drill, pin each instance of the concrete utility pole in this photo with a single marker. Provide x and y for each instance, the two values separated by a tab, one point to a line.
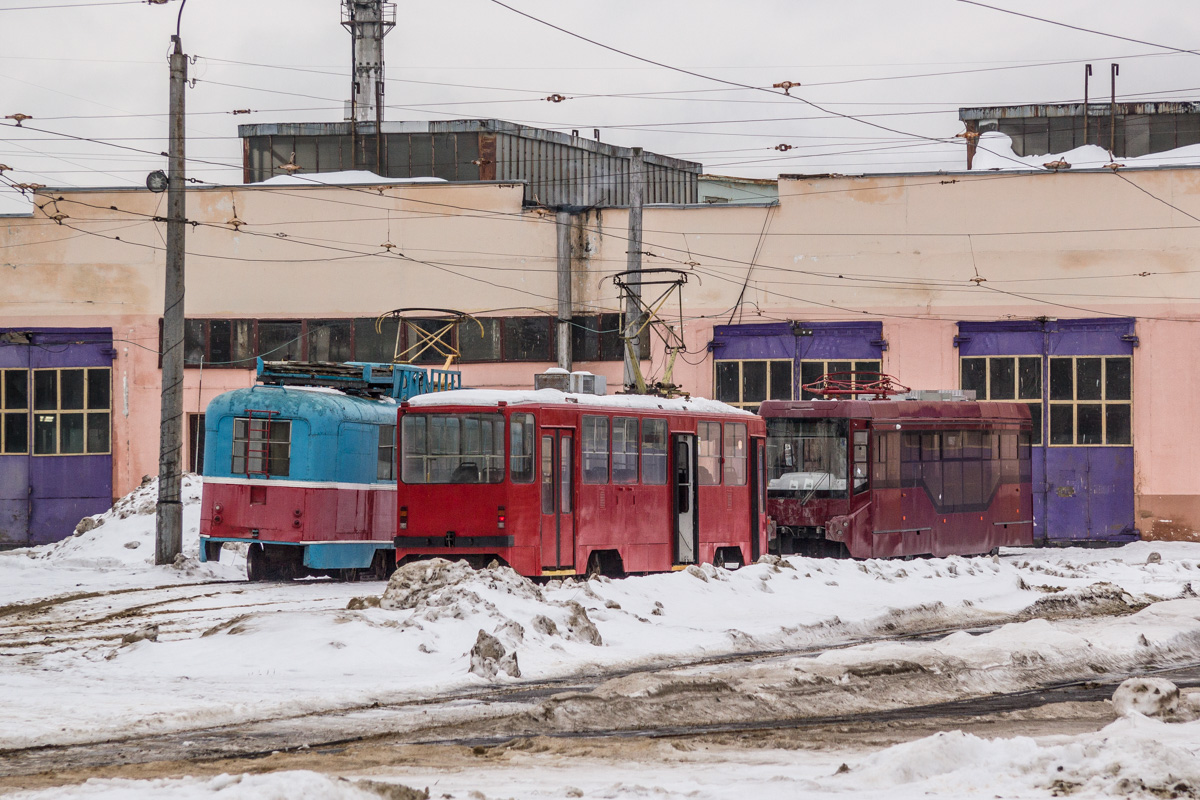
168	540
368	22
633	263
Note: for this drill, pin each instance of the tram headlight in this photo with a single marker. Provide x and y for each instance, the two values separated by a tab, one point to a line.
500	516
403	518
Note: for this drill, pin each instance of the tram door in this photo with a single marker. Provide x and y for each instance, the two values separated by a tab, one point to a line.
558	503
687	529
757	495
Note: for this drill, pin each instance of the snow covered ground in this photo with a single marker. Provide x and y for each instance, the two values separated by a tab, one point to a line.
90	625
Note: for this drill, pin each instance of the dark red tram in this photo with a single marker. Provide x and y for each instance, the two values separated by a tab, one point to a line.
556	484
886	478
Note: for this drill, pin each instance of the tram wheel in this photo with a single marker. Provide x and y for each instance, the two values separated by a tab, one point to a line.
257	568
347	575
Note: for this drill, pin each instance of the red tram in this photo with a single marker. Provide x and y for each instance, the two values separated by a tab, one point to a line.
557	484
886	478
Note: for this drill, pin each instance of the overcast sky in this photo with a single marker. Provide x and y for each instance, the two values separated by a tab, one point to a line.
83	68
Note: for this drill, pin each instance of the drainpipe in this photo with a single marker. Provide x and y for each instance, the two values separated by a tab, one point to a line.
563	229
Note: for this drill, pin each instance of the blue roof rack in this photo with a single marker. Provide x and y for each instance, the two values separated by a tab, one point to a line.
367	378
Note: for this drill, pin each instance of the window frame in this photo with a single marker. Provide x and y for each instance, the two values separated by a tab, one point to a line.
93	415
588	440
1038	419
1103	403
13	412
702	458
854	364
270	440
769	394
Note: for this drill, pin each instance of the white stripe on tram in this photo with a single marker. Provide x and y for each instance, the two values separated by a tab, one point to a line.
386	487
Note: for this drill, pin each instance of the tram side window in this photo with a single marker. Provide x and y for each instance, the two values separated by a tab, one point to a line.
262	446
595	449
654	452
385	469
520	448
860	461
452	448
887	460
708	462
735	454
547	474
625	450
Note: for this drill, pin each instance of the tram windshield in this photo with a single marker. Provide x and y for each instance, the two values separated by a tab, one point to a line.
806	458
452	448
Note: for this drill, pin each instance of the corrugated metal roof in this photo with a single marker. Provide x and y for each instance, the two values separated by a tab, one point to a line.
557	169
1076	110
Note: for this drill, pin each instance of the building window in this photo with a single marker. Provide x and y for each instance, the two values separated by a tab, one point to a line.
1007	378
385	469
745	384
479	342
527	338
595	449
599	338
71	411
1091	400
262	446
236	343
428	341
14	411
811	371
329	340
708	449
378	345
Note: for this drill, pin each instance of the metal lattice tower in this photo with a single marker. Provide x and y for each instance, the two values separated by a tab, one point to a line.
368	22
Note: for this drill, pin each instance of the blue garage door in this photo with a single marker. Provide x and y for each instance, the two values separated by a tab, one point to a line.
773	361
55	431
1077	378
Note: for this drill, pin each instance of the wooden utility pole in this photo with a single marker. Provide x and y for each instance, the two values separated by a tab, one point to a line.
168	540
633	263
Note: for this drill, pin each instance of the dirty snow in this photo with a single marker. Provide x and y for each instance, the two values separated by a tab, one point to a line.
235	652
113	550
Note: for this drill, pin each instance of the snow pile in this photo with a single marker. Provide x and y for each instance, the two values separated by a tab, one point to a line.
1132	756
994	152
123	537
496	597
342	178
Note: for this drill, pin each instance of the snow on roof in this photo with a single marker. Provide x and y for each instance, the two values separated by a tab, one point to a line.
356	176
994	152
490	397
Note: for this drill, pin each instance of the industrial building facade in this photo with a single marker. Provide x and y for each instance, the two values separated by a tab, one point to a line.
1073	293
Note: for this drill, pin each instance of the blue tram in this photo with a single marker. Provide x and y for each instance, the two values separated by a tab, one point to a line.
302	467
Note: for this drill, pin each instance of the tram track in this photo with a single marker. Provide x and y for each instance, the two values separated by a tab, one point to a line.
418	721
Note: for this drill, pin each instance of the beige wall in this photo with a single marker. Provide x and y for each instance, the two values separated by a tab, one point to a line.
901	249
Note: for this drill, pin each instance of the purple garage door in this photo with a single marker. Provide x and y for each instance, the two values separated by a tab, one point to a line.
55	431
771	361
1077	378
